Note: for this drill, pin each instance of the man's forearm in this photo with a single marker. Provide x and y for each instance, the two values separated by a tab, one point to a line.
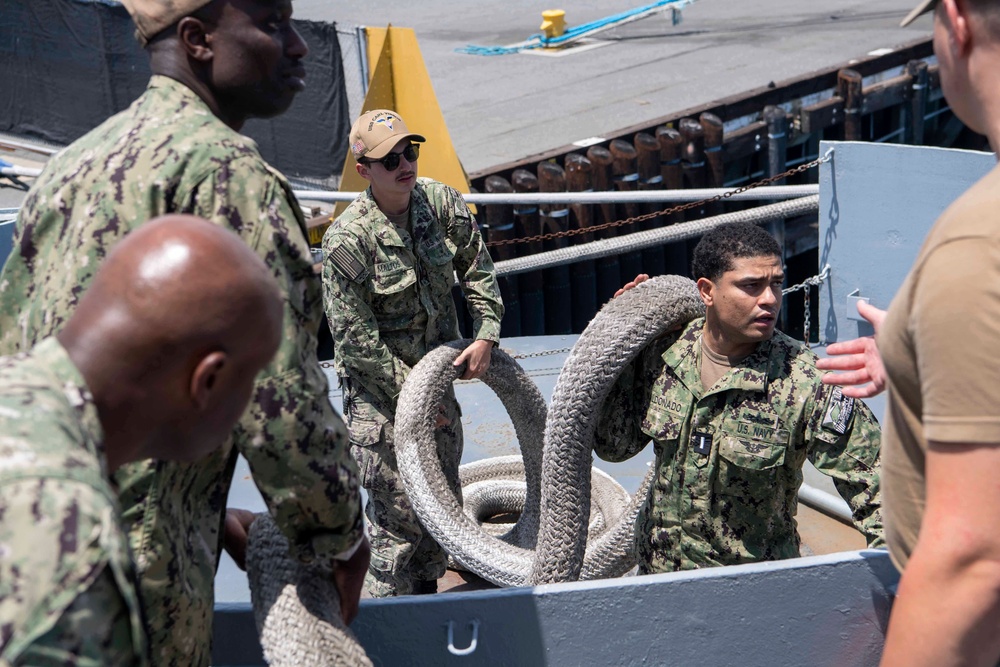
946	613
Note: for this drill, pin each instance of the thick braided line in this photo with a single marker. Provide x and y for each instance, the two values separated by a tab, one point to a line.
622	328
494	552
437	507
496	486
296	607
620	245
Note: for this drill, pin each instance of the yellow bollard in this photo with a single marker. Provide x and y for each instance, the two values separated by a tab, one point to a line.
553	23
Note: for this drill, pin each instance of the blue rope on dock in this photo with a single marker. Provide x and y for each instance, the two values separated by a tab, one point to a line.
538	40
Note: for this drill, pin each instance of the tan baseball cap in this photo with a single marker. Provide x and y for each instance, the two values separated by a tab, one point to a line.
153	16
922	8
375	133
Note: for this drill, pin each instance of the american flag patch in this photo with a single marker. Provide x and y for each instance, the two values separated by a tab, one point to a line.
350	267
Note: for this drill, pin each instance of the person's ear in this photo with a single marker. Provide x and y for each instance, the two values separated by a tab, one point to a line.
363	171
957	12
196	38
706	290
206	378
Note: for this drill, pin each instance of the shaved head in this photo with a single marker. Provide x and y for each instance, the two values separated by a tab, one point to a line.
179	281
179	319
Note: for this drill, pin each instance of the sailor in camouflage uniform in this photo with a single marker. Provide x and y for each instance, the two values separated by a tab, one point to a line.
177	149
391	260
734	408
99	394
67	582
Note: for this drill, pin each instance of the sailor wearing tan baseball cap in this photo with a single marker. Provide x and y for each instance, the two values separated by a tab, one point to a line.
153	16
375	133
922	8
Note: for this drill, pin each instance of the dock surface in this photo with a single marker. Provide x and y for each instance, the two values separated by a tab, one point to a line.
503	108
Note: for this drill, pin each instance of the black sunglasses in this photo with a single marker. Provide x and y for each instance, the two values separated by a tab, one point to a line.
391	161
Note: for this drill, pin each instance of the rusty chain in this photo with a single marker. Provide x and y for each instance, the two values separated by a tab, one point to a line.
667	211
543	353
532	355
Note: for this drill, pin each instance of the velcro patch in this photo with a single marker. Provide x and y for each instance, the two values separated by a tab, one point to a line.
701	443
350	267
839	410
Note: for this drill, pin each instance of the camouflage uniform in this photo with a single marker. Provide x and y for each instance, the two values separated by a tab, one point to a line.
167	153
388	300
729	460
67	583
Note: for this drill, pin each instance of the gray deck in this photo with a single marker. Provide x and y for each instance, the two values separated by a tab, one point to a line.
503	108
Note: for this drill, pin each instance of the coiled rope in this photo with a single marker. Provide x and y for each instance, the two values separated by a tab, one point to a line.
296	607
562	550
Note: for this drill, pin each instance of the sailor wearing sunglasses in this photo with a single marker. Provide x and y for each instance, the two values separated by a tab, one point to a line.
391	258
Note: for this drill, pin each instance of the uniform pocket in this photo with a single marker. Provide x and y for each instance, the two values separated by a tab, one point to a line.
749	467
664	428
438	252
388	282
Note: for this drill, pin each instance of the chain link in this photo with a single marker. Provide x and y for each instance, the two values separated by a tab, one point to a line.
667	211
807	285
532	355
544	353
814	281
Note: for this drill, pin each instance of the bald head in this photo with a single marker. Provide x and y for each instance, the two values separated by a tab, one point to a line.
179	319
180	281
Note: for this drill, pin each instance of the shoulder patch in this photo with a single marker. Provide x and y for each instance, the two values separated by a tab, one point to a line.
348	265
839	410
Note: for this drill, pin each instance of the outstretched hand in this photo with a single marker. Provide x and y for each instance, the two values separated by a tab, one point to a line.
477	356
862	372
638	280
237	527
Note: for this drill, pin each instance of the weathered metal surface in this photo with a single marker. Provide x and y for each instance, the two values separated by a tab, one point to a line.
877	202
825	610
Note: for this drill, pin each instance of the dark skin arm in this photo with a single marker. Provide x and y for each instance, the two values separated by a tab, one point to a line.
348	575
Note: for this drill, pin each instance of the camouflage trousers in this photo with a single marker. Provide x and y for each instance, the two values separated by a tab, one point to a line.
405	558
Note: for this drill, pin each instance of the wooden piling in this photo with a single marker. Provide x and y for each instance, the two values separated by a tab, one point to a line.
500	221
777	157
583	275
526	222
714	171
626	179
777	141
675	255
849	89
556	285
916	111
609	274
648	166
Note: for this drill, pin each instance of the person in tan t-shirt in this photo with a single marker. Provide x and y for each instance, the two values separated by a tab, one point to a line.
938	341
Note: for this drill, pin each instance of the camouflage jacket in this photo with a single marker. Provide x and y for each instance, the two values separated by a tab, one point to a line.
167	153
388	297
67	584
729	460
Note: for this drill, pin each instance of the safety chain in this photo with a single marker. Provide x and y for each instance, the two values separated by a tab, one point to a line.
667	211
807	285
544	353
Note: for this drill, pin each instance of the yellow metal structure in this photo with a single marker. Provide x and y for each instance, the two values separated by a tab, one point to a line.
399	81
553	23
